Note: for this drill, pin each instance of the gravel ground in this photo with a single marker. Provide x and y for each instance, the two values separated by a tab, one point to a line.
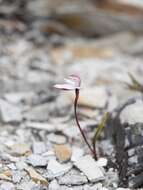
40	145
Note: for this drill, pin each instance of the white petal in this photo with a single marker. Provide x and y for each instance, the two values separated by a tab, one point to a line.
69	81
65	86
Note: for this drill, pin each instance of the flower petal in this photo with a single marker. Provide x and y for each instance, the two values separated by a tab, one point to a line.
76	79
64	86
69	81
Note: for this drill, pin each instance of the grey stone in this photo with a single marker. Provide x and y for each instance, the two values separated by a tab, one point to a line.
11	166
102	162
7	186
111	178
21	165
97	186
55	169
39	113
40	126
133	160
39	147
10	158
73	178
120	188
54	185
9	112
133	113
87	97
18	97
64	187
90	168
76	153
106	146
36	160
58	139
28	185
16	176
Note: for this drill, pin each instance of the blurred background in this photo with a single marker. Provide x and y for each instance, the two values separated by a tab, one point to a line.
42	42
77	17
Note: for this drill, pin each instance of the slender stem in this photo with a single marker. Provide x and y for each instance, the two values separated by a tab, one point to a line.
93	150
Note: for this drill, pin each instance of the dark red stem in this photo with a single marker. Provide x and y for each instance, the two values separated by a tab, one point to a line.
93	151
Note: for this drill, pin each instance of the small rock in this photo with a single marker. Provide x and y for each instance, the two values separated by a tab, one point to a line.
36	177
16	176
39	147
10	158
20	165
7	186
73	178
106	146
120	188
63	152
55	169
93	97
54	185
9	112
3	176
38	113
58	139
49	155
11	166
20	149
71	131
97	186
102	162
133	160
28	185
89	113
133	113
8	173
111	177
36	160
40	126
90	168
63	101
76	153
17	97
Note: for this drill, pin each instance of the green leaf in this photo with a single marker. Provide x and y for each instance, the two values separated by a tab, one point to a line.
136	86
134	80
100	127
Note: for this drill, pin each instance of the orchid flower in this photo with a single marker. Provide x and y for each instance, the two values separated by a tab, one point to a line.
73	82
